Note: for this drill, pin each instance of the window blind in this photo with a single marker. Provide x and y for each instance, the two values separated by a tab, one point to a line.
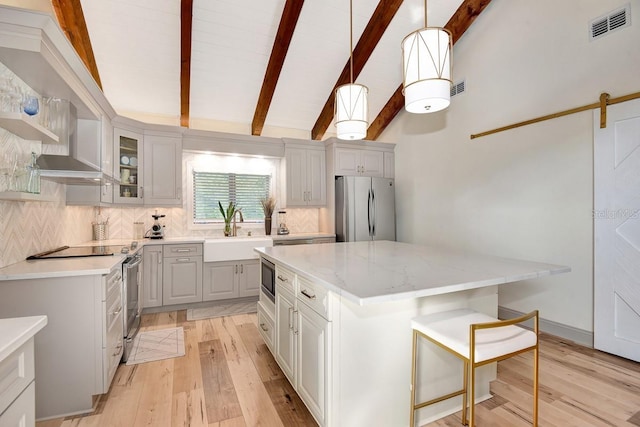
245	190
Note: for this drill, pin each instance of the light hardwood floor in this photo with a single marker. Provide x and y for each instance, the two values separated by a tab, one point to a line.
228	378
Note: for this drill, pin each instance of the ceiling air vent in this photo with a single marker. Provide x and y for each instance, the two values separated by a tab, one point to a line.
457	88
612	21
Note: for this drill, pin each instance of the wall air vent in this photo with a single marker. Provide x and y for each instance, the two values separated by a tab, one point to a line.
457	88
615	20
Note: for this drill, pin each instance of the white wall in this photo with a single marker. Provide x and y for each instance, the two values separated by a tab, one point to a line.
528	192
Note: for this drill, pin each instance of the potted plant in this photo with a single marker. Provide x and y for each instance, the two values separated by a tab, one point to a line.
268	206
227	216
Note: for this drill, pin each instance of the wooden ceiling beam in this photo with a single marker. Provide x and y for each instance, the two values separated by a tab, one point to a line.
468	11
288	21
186	24
382	16
71	20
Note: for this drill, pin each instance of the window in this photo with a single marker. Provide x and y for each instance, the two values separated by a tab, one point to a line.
245	190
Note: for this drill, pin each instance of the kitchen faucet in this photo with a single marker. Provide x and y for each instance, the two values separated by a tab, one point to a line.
235	229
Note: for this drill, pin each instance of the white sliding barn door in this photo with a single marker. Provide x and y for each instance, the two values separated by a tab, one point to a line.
617	231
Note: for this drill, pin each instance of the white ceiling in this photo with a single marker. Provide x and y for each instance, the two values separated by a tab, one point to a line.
137	49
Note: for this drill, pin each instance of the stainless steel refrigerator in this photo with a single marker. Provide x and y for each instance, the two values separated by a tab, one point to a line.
365	209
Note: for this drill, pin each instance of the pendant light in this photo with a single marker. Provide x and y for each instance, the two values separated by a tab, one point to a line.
351	105
426	61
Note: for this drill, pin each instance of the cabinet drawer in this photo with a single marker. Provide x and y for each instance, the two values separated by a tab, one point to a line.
16	372
314	295
191	249
114	281
266	327
113	350
22	411
285	278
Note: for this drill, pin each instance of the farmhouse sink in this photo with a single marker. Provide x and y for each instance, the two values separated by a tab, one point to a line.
233	248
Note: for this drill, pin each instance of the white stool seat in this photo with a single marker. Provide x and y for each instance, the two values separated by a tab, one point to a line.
451	328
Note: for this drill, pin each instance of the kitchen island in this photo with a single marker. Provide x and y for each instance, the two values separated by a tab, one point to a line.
341	323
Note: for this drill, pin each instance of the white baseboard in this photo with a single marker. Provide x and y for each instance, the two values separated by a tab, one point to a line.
579	336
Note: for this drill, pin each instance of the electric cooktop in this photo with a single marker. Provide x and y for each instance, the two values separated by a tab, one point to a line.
77	251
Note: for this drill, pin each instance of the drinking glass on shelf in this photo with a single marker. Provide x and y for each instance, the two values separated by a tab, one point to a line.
31	105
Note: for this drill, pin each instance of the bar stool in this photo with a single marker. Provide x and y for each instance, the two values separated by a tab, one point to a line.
459	331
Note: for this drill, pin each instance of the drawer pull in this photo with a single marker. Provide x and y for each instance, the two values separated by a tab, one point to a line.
264	328
115	313
306	294
183	250
284	279
118	348
183	259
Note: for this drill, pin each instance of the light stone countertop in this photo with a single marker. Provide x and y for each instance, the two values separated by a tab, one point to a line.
82	266
16	331
382	271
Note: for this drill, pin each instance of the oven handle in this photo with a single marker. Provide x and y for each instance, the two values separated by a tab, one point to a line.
136	261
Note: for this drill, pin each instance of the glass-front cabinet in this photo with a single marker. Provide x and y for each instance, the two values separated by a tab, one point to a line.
128	158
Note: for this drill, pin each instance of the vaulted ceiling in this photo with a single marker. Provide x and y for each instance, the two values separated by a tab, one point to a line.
247	64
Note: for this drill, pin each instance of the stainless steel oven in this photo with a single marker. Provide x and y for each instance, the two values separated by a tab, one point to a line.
132	280
268	279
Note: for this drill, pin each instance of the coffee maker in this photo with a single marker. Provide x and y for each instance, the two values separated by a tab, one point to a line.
157	230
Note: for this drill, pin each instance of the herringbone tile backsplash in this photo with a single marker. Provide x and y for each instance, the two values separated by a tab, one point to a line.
30	227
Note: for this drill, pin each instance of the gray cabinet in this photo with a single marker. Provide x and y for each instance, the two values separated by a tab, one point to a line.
359	162
230	279
305	175
152	276
162	170
182	274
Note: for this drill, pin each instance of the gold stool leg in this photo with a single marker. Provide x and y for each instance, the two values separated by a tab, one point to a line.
413	379
472	393
465	388
535	385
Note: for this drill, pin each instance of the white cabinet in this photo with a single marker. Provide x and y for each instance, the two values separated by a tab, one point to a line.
162	170
305	176
359	162
312	359
128	156
286	333
303	335
267	326
182	274
389	165
152	276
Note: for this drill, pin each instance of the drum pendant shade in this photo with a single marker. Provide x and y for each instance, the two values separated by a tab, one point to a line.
426	61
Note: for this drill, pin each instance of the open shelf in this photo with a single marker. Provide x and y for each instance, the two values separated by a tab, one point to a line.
26	127
25	197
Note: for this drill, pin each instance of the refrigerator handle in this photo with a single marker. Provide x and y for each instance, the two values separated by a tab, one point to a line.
369	211
373	208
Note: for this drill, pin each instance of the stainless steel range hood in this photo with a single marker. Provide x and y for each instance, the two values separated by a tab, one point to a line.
67	170
79	139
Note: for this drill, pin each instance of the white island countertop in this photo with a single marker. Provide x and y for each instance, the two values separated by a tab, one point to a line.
16	331
382	271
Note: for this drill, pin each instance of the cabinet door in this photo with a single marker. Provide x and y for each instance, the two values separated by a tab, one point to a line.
296	163
219	281
347	162
162	171
312	374
249	278
22	412
285	338
152	276
389	165
182	280
128	157
316	178
372	163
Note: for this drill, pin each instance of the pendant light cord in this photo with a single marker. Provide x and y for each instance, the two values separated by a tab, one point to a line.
425	13
351	41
